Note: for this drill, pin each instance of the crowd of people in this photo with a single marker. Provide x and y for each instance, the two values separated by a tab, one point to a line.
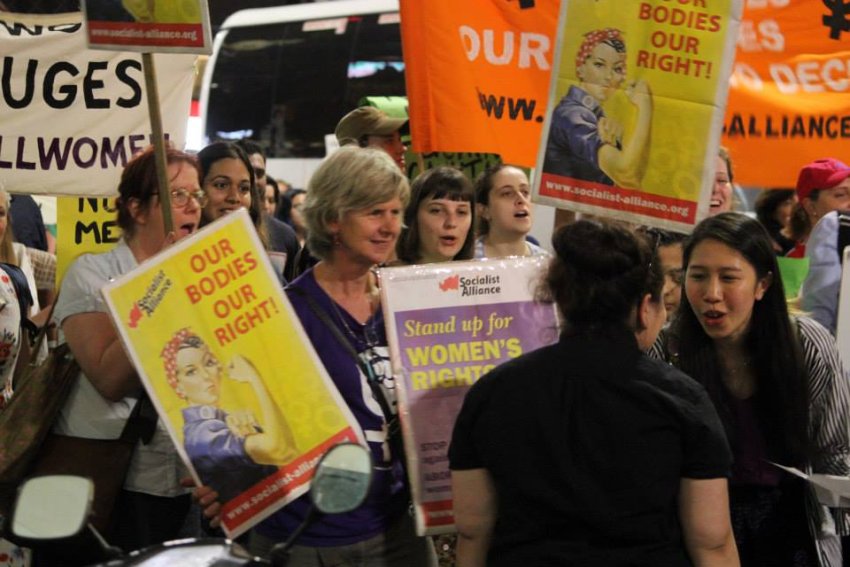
646	436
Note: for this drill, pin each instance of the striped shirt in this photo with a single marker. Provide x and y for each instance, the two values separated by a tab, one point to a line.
829	395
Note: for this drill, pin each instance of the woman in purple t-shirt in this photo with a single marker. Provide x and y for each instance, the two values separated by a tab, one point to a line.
353	212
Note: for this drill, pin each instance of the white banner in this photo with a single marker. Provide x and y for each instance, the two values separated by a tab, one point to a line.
73	117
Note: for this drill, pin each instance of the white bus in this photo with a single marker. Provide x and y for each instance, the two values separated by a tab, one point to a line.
284	76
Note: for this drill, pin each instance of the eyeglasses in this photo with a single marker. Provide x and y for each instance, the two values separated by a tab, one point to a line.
180	197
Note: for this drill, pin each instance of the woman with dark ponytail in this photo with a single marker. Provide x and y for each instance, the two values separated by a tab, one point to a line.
587	451
777	384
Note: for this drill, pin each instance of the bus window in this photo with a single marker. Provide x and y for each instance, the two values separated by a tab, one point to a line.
287	84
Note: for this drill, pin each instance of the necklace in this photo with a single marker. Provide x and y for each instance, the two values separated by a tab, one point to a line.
370	334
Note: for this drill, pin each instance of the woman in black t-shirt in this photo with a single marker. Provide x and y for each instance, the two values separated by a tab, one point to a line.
588	452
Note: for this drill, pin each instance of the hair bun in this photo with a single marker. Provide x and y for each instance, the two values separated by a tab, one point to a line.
594	251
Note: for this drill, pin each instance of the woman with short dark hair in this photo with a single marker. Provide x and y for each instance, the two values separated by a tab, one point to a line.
588	452
440	219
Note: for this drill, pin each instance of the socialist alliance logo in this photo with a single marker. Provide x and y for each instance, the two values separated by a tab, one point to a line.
486	284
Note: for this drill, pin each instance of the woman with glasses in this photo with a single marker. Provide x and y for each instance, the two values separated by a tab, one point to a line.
152	506
229	181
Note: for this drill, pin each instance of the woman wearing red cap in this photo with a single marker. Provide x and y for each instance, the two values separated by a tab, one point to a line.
823	186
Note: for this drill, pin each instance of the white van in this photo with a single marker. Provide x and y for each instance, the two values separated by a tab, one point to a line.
284	76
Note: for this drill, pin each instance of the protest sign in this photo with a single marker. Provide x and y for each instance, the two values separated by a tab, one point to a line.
635	109
73	117
84	226
149	25
447	325
244	396
788	97
476	74
842	330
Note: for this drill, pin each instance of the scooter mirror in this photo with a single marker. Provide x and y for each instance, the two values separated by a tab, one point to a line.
52	507
342	479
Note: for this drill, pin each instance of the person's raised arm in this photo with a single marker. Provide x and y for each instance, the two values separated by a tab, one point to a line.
475	506
95	344
706	527
627	165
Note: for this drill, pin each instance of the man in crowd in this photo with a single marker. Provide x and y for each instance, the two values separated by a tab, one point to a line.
370	127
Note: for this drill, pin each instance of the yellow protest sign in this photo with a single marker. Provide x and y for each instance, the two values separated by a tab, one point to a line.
635	113
223	357
149	25
83	226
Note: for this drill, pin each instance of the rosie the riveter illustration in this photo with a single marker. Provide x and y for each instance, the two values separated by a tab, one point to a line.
583	142
230	451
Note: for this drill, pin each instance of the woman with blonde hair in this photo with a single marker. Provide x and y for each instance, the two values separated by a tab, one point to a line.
353	211
38	266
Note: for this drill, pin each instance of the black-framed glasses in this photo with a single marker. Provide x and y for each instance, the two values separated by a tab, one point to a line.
180	197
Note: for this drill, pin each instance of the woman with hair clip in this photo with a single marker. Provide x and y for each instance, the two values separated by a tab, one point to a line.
152	505
439	221
778	386
229	181
588	452
353	213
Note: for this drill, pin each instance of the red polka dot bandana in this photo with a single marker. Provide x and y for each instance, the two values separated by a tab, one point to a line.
169	357
594	38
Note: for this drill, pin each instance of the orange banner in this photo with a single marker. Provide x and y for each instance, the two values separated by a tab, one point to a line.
477	74
789	99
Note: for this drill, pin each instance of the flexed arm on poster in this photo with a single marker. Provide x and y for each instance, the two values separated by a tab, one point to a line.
195	373
273	443
626	164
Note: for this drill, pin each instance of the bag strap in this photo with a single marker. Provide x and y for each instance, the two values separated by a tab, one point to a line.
24	295
843	233
370	377
141	425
